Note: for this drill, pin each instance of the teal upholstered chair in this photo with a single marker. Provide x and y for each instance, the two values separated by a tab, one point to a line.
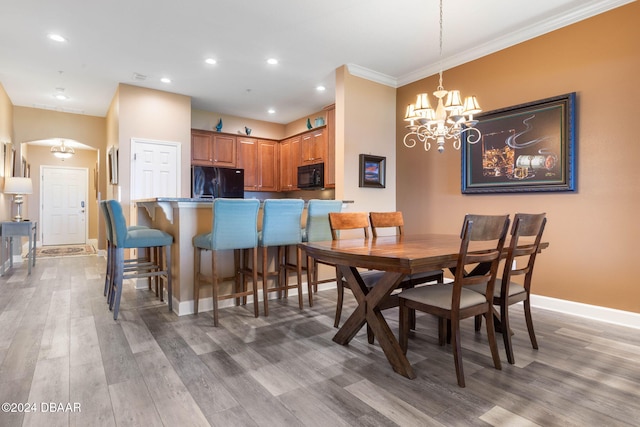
140	238
129	264
235	226
281	228
317	229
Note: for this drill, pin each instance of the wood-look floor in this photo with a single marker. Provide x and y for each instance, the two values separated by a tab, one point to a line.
60	347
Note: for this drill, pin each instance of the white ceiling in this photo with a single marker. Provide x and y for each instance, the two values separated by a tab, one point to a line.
390	41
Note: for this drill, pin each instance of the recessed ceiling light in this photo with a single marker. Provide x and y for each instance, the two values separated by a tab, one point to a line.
59	94
210	61
57	38
271	111
165	80
321	88
272	61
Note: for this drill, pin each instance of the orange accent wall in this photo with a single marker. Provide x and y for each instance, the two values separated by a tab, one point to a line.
594	233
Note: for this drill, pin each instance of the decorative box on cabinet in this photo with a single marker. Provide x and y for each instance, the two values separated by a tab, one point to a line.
212	149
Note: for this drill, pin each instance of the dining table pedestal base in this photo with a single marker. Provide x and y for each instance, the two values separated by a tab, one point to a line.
368	312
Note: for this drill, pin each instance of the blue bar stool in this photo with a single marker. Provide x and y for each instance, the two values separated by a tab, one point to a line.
129	263
281	228
144	238
317	229
235	226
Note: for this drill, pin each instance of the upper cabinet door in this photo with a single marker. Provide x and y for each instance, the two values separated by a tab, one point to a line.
289	162
210	149
224	151
314	146
248	160
201	145
268	165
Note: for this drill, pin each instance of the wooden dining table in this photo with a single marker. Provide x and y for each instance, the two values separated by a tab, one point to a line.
397	256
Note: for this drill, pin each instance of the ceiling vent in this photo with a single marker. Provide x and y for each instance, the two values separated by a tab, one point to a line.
139	77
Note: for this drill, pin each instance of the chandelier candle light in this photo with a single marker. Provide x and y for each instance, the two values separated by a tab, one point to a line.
452	119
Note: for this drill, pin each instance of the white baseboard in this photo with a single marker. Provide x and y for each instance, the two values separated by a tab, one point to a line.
184	308
594	312
603	314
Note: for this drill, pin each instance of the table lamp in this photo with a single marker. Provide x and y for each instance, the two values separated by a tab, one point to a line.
18	186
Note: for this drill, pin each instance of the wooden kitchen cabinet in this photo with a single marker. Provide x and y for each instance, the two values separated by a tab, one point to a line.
211	149
259	159
313	145
289	162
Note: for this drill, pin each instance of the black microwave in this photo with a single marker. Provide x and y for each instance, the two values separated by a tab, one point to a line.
311	176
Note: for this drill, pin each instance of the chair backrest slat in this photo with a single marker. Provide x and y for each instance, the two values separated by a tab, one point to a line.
527	226
348	221
386	219
491	229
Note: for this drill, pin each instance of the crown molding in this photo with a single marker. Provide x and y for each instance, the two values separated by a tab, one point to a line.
586	10
374	76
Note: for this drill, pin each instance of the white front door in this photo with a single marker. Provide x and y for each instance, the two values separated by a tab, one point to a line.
155	169
64	205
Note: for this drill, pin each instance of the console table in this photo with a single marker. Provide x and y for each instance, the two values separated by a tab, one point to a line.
11	229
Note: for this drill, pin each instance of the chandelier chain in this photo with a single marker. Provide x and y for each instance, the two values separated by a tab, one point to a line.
440	87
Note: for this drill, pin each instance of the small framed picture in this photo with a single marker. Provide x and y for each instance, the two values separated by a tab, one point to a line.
372	171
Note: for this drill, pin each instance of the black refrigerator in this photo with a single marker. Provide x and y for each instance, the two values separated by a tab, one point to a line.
213	182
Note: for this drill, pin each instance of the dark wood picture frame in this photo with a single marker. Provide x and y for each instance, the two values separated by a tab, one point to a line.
372	171
525	148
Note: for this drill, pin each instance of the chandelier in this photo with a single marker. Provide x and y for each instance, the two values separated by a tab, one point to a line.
62	151
451	119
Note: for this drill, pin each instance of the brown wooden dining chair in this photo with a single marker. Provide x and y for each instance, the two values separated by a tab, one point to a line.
506	292
396	220
453	302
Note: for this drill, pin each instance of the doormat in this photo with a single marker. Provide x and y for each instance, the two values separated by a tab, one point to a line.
67	250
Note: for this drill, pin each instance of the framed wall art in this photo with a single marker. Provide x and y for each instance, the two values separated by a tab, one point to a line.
372	171
524	148
112	166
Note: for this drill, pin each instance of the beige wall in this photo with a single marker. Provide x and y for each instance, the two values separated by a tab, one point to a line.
207	120
364	125
153	115
594	232
34	124
6	137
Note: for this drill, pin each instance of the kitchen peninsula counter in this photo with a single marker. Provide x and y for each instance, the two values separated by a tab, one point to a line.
184	218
